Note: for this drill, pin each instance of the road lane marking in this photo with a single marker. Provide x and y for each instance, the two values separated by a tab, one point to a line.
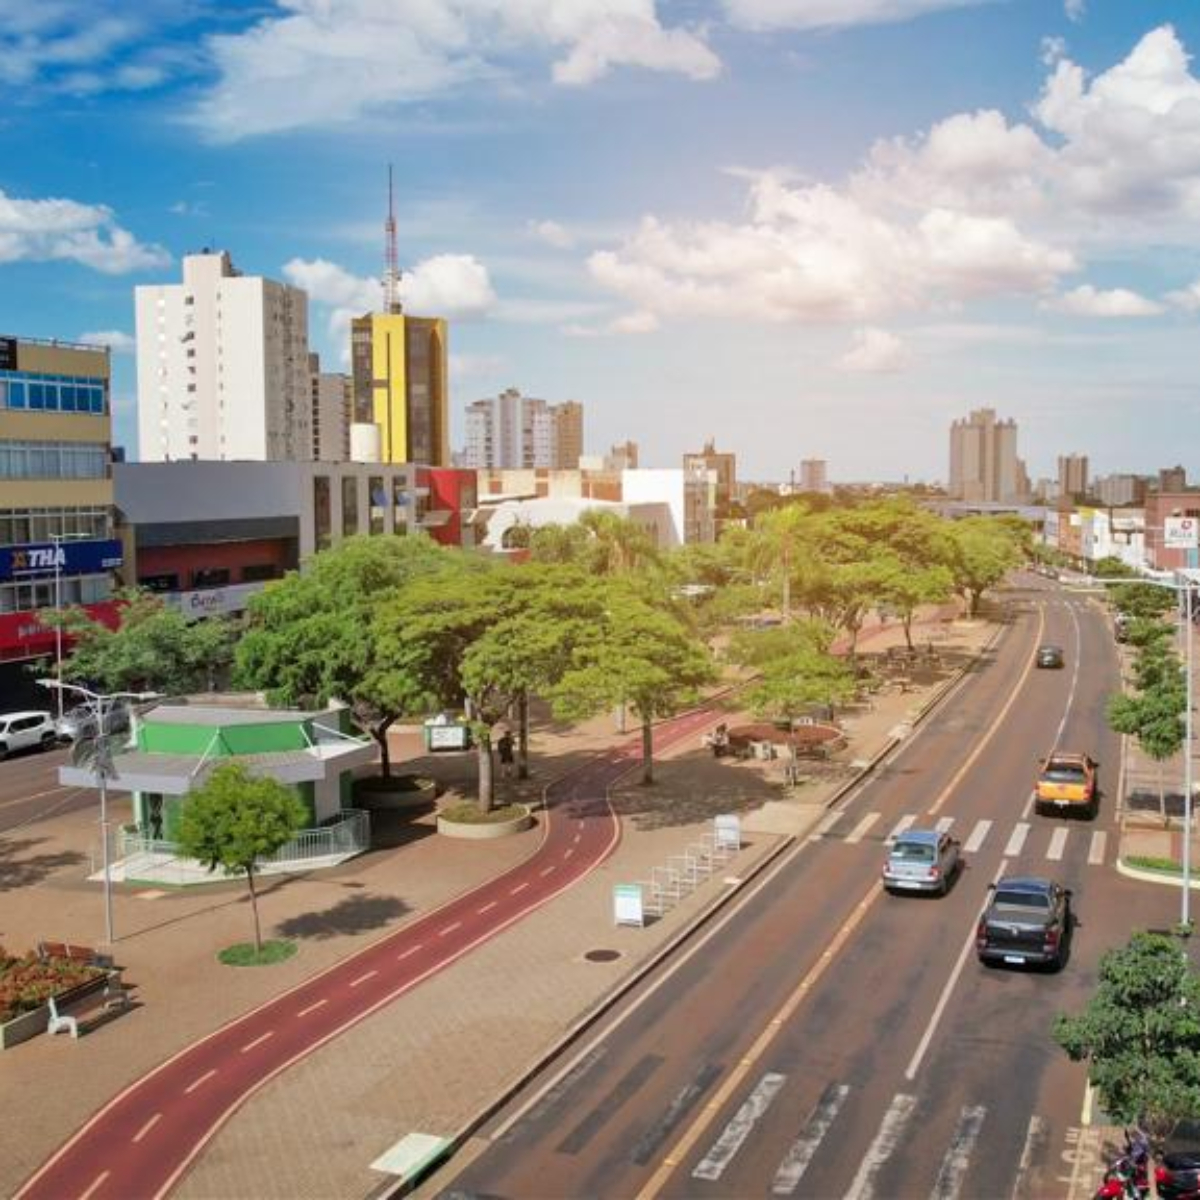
449	929
258	1041
487	907
895	1119
626	1088
547	870
857	833
1057	841
1017	841
1035	1137
1097	848
952	787
943	824
828	821
97	1183
199	1081
578	839
145	1129
978	834
568	852
410	952
363	978
805	1147
311	1008
519	888
734	1135
680	1105
900	827
914	1063
958	1154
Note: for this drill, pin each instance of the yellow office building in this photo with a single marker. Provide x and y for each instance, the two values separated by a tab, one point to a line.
401	384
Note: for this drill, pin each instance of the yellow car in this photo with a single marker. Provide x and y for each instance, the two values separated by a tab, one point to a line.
1066	783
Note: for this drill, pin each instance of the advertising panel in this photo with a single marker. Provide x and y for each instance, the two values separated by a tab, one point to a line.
22	634
1179	533
43	559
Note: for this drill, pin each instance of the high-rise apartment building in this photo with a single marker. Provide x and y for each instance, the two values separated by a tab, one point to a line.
56	497
1120	491
723	465
813	475
624	457
984	466
223	366
516	432
332	398
1072	476
1172	479
401	384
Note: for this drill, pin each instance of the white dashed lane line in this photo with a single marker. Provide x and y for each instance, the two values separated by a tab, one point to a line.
487	907
96	1184
519	888
258	1041
199	1081
312	1008
145	1129
1057	841
547	870
409	952
449	929
363	978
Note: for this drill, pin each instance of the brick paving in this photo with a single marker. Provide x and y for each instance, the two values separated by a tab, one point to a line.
432	1059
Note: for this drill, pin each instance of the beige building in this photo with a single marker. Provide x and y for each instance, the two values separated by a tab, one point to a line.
984	465
515	432
1072	476
332	400
813	475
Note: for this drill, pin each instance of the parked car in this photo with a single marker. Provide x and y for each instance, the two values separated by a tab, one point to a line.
1066	783
921	860
1050	656
25	730
1027	921
1121	627
80	722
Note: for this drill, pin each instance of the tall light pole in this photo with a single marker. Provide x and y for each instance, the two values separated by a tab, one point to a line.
57	538
100	704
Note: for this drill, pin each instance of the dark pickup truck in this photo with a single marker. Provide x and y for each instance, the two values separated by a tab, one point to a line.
1027	921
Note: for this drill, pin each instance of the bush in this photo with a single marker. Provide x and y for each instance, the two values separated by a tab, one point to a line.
1149	862
27	982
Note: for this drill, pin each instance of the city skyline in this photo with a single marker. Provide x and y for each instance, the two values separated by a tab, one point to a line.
876	214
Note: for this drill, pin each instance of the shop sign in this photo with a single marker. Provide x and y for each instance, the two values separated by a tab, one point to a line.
42	559
1179	533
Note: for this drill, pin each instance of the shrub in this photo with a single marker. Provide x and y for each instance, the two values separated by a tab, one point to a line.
28	982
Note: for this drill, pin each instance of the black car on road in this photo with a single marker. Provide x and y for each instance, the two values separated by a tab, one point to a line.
1050	656
1027	921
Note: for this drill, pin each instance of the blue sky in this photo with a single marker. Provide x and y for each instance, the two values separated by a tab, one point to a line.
805	228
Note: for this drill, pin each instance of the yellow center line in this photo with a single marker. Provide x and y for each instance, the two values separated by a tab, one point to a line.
683	1147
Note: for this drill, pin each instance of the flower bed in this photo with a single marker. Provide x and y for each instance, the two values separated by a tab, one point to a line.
28	982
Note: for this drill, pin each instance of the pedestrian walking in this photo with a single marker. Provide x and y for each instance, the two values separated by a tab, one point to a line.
504	747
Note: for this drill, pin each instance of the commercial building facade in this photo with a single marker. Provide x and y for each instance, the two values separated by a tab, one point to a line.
56	497
516	432
400	372
332	400
223	369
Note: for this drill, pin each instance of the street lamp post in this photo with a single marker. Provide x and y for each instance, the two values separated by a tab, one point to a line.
100	704
56	538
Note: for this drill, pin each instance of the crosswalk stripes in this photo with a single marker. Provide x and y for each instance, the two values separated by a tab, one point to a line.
958	1154
943	825
901	825
804	1148
713	1164
895	1121
1057	842
978	834
1096	850
860	830
1017	841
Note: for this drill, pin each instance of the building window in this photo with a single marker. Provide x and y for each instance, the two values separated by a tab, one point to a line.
159	583
400	502
53	460
210	577
378	503
349	505
322	517
256	572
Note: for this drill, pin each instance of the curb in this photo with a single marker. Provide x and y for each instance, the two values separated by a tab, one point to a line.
1165	878
394	1188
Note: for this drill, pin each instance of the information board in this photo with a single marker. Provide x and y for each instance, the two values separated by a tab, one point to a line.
627	904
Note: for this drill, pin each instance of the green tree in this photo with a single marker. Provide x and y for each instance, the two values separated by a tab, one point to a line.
1156	719
638	654
235	819
1140	1035
984	551
1112	568
314	635
781	549
154	648
559	544
1146	600
796	669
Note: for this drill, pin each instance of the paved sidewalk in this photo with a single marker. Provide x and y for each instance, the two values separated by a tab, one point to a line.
432	1059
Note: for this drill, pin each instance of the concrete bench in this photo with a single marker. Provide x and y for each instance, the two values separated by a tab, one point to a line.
81	1009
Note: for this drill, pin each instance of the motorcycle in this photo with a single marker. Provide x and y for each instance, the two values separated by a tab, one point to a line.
1176	1174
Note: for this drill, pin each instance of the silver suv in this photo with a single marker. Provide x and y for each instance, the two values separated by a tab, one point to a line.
25	730
80	722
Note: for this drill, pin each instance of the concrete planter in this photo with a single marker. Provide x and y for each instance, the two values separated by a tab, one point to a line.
486	830
412	793
30	1024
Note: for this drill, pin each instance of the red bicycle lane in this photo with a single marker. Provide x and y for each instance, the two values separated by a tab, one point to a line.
144	1139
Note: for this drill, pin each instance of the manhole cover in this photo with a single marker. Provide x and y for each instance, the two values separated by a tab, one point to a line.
602	955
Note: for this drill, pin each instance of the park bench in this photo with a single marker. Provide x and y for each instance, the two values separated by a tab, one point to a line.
82	954
84	1007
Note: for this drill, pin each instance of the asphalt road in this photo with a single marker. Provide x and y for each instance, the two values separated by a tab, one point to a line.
30	791
143	1140
826	1039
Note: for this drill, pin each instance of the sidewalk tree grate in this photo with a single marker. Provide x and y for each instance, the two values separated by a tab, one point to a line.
602	955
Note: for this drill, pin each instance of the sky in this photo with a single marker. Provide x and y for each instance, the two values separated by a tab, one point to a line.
801	228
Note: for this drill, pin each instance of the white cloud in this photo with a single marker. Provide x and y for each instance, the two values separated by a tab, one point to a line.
875	352
289	70
629	323
57	229
1087	301
1187	298
1075	9
831	14
117	341
552	233
1054	49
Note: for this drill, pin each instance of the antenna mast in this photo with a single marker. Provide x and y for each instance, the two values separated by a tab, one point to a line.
391	269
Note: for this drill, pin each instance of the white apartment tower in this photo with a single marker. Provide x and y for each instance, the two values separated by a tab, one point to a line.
984	467
813	475
513	432
223	367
